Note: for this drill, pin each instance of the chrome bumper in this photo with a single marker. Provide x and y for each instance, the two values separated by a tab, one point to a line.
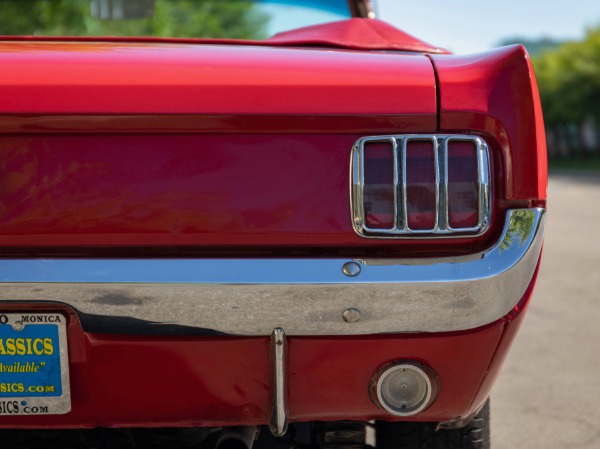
302	296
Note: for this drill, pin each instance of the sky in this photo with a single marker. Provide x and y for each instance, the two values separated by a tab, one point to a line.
470	26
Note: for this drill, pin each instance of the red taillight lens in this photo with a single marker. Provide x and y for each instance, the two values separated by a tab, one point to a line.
425	185
463	190
379	185
421	207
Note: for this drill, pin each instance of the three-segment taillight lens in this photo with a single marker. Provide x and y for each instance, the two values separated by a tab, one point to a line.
420	185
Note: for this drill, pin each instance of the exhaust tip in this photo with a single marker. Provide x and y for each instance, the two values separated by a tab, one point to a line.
237	437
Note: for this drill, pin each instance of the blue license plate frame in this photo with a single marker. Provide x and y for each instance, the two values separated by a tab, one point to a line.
34	365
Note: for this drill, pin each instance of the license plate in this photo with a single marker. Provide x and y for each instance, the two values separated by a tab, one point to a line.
34	369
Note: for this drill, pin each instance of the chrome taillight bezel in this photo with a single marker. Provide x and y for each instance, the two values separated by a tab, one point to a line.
442	227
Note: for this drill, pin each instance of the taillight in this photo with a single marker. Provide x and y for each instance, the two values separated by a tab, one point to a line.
379	185
424	185
420	188
463	181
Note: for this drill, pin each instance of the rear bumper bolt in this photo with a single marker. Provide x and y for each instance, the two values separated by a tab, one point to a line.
351	269
351	315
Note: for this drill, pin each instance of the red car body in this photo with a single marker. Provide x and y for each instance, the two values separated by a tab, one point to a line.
139	150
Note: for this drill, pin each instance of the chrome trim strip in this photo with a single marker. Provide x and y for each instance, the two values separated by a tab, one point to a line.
396	181
485	185
278	423
303	296
401	228
404	200
443	181
436	159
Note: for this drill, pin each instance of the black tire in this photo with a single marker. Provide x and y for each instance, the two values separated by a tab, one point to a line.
412	435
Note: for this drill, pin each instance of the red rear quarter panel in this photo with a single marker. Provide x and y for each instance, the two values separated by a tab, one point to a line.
496	93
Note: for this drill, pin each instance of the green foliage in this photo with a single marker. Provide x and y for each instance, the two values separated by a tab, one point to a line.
590	163
236	19
569	80
534	47
42	17
519	226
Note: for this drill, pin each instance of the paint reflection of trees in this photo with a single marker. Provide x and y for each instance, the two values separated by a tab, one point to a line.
520	226
236	19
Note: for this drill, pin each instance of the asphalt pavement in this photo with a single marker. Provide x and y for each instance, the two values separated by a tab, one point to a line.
548	394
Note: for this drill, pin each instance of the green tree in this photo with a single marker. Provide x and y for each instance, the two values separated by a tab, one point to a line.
569	80
534	47
236	19
30	17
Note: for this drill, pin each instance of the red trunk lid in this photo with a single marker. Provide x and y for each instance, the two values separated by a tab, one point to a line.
203	146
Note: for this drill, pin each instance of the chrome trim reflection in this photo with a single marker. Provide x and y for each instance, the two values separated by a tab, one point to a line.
442	226
303	296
